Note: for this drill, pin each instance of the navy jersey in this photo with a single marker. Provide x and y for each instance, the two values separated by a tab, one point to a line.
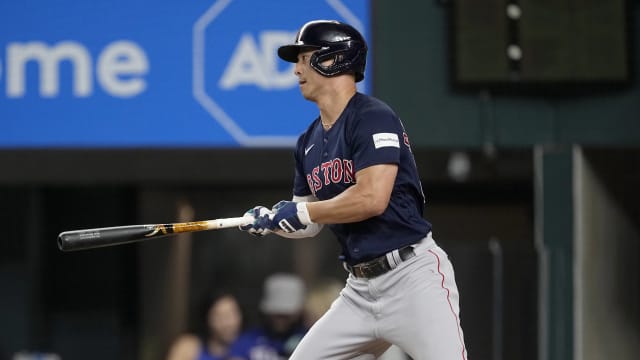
367	133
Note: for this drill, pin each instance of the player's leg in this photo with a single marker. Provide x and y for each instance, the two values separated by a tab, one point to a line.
422	314
345	331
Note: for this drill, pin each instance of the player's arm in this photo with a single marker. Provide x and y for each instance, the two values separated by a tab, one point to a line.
369	197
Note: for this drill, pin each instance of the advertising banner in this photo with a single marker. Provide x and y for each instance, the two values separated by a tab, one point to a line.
163	73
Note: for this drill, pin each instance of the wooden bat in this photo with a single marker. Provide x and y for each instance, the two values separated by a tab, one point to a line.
109	236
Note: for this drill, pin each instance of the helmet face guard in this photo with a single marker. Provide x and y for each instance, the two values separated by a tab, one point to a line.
335	41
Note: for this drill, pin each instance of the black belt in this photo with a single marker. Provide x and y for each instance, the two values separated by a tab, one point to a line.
379	265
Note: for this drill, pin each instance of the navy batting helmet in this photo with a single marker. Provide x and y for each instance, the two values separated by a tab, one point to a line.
334	41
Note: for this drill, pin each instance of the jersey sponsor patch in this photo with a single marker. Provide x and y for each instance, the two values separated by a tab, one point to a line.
386	140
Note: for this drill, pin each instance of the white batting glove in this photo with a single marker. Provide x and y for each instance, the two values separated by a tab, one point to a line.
262	223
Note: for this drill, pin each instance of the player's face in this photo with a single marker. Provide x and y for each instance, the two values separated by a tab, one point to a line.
310	81
225	319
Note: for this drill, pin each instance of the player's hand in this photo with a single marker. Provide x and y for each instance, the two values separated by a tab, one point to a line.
290	216
262	221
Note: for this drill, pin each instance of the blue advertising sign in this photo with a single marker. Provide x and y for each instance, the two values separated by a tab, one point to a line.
134	73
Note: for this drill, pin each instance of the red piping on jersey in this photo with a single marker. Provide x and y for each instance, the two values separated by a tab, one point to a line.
450	305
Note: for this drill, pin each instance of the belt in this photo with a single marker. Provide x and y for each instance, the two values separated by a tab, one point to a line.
381	264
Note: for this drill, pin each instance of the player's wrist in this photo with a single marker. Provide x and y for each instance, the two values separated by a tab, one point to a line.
303	213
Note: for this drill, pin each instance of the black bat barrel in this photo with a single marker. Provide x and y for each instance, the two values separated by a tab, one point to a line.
94	238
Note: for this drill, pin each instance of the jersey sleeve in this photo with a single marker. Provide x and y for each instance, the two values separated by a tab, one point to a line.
300	184
375	138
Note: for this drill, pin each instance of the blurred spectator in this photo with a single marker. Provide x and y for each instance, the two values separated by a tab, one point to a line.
35	356
282	326
223	322
320	297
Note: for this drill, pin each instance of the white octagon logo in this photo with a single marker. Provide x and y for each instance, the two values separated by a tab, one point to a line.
239	75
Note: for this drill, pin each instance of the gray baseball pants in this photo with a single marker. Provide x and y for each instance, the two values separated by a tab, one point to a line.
414	306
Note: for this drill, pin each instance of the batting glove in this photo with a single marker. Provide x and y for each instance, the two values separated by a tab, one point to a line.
291	216
262	221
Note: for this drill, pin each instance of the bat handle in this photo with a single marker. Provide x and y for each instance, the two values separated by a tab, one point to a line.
229	222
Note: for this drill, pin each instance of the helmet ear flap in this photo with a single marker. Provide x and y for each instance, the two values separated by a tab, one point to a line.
345	58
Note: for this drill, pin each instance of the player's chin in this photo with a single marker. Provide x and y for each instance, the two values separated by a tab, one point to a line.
307	94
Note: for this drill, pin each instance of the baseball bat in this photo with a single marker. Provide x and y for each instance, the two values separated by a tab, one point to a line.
117	235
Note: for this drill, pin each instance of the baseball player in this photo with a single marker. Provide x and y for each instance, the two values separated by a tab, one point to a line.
355	173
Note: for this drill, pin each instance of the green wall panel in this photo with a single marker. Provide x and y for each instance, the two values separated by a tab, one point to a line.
412	69
410	73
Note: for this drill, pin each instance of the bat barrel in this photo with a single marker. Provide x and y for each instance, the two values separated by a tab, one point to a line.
94	238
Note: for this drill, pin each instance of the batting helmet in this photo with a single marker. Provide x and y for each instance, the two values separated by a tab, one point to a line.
334	41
